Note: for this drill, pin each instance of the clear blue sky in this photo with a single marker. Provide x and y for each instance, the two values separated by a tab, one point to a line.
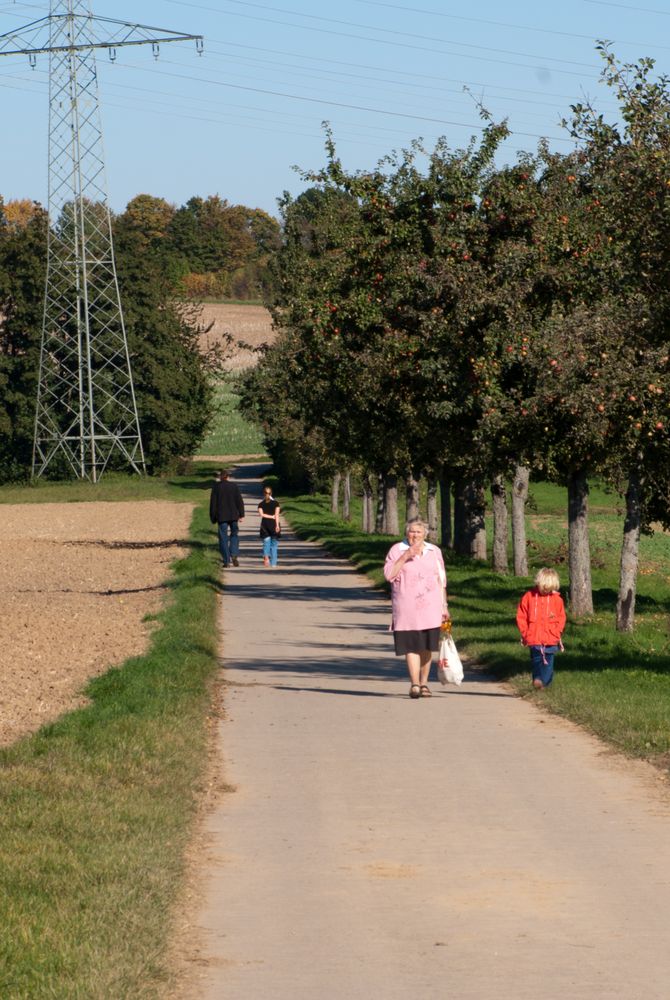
234	120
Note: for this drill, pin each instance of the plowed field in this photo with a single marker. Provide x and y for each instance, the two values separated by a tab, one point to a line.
78	581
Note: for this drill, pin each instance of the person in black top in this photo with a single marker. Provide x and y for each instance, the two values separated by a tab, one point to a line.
269	511
226	509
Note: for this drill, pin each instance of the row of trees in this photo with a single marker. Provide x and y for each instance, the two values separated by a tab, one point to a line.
172	376
471	323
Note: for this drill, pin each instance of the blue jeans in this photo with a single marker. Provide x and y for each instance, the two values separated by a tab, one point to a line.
542	667
270	547
228	547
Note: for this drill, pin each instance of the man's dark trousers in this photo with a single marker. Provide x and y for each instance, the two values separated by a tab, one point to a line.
229	544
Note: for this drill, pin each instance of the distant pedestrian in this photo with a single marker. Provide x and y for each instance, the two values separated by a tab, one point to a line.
226	509
269	511
415	570
540	617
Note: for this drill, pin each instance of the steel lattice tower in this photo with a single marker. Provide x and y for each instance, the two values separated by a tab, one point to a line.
86	414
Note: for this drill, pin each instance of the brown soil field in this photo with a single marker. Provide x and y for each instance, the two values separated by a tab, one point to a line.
250	324
78	580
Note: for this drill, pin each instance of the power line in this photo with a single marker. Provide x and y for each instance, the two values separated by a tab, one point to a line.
507	24
489	93
492	100
400	89
271	111
493	94
625	6
202	101
404	34
356	107
382	69
13	9
384	41
357	76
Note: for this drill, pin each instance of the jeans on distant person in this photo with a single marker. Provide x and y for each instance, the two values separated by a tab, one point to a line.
229	541
542	663
270	547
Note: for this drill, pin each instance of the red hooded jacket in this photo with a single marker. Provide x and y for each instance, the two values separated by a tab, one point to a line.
541	618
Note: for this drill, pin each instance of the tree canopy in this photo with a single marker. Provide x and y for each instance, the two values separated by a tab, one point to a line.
441	314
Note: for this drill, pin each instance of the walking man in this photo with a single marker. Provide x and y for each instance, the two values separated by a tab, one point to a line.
226	509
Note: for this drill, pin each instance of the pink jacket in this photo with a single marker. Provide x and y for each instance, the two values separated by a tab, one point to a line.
541	618
417	593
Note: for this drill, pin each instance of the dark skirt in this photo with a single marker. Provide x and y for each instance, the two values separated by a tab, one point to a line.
416	640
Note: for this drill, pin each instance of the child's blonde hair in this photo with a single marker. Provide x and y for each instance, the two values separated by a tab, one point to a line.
547	580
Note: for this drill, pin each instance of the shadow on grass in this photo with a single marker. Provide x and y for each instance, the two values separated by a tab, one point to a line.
483	606
506	660
204	482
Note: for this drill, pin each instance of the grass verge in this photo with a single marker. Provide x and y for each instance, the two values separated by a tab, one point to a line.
617	686
97	808
231	433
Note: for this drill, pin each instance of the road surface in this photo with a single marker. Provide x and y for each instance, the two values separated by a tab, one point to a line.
466	846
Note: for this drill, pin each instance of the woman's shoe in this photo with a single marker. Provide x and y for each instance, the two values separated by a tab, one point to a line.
415	691
537	683
425	691
266	560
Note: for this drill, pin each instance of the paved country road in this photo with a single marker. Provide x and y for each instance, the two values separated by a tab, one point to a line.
465	846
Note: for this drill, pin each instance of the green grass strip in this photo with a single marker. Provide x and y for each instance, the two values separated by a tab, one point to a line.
231	433
617	686
97	809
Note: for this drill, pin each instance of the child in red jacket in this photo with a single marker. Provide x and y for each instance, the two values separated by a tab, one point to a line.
541	620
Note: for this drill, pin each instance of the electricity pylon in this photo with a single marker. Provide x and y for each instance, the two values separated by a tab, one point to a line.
86	413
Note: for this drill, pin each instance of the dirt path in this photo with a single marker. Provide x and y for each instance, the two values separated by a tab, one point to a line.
465	846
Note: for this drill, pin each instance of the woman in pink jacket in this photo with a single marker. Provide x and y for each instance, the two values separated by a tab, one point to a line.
540	617
415	570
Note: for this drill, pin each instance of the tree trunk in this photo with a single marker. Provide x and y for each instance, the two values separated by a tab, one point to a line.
630	554
459	515
335	494
469	520
519	498
368	524
499	497
391	505
380	517
411	498
445	514
478	521
346	497
432	509
579	555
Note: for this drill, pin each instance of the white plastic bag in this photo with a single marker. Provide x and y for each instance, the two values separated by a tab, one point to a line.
449	667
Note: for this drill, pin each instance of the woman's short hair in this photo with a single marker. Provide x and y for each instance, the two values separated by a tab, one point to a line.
416	522
547	580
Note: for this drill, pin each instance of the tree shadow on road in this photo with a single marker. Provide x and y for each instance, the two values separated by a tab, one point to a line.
438	692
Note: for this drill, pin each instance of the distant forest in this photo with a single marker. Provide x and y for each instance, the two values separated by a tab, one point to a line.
204	249
207	248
